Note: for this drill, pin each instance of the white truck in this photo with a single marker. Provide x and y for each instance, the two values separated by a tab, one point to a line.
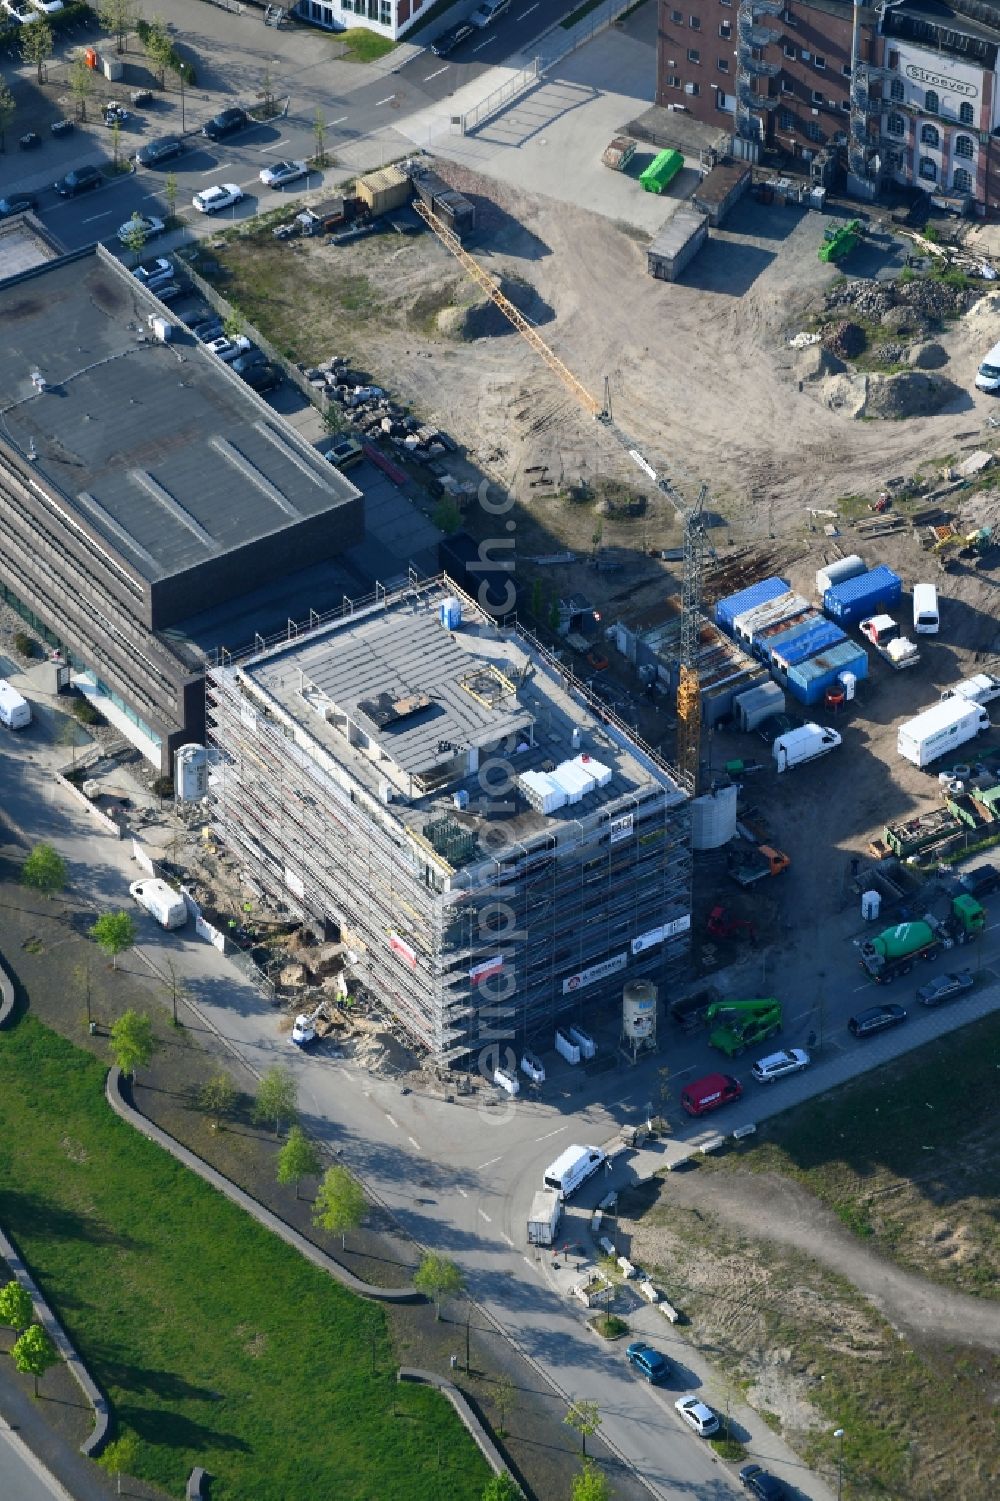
937	731
804	744
983	688
572	1168
15	711
161	901
883	633
543	1221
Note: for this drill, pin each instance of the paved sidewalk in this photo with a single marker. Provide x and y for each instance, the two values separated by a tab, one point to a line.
83	1480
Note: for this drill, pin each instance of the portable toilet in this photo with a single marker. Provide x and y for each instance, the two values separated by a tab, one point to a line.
871	901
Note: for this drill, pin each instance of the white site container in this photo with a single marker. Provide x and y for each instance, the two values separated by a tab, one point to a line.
839	572
566	1047
584	1041
937	731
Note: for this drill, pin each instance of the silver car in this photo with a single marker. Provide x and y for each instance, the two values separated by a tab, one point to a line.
777	1065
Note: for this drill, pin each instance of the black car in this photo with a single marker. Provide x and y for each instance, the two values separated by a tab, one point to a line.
449	40
981	881
61	127
155	152
248	359
18	204
29	141
875	1019
946	988
756	1480
262	377
225	123
210	329
80	180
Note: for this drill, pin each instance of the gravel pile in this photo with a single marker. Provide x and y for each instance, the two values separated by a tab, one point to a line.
935	299
846	340
869	299
910	394
889	354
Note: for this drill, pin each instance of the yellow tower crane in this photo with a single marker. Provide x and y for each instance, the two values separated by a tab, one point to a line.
692	517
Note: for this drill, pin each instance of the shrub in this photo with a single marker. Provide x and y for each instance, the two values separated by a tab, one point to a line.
84	711
24	644
163	787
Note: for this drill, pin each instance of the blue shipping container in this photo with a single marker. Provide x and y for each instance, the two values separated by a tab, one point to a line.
757	594
867	594
818	638
750	626
809	680
789	631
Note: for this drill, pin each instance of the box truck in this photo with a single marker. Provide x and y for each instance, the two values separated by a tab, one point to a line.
15	711
543	1221
982	688
804	744
937	731
572	1169
161	901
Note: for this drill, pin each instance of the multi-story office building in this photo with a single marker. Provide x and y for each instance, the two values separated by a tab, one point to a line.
490	842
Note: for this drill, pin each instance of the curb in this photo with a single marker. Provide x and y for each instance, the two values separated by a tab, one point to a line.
6	996
478	1433
93	1445
127	1112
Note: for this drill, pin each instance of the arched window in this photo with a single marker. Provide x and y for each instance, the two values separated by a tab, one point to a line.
965	114
931	102
929	136
962	181
896	89
964	146
897	125
928	171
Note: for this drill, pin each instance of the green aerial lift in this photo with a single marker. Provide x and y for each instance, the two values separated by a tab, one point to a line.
840	241
743	1023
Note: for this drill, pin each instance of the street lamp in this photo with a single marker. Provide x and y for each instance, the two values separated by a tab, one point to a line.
838	1434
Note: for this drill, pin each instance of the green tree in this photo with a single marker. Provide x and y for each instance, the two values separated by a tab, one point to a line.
319	136
44	870
69	734
158	47
37	44
501	1488
297	1159
121	1457
176	989
170	194
119	17
232	325
277	1099
114	932
34	1352
340	1203
586	1418
132	1041
135	235
591	1484
267	94
439	1279
504	1399
81	84
8	108
217	1097
16	1307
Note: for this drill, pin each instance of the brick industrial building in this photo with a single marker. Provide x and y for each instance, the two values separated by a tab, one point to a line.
490	842
140	482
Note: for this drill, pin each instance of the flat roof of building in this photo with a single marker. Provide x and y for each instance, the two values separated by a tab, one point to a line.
158	448
441	691
23	245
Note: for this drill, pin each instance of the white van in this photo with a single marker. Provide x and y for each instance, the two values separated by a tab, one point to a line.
161	901
15	711
988	374
925	610
573	1168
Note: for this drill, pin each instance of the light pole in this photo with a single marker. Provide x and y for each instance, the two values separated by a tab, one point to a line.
838	1434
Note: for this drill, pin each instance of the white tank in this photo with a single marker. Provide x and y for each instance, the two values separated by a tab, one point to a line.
713	819
639	1010
849	683
871	901
190	773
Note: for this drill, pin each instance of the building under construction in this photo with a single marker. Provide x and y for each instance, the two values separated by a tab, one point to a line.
492	844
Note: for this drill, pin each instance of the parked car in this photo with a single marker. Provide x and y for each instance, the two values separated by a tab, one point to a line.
80	180
225	123
776	724
875	1019
488	12
221	195
533	1066
141	98
262	378
765	1487
29	140
778	1065
450	39
248	359
981	881
945	988
19	203
345	453
282	173
61	127
228	349
697	1415
47	7
160	269
148	224
155	152
210	329
116	114
647	1361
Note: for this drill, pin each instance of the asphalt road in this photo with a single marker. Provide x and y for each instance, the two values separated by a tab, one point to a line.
22	1476
460	1178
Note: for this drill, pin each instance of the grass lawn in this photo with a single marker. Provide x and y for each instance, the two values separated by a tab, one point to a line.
364	46
216	1344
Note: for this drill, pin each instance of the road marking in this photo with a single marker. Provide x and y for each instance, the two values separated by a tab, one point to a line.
525	13
858	988
93	220
463	1193
484	1216
413	1142
437	74
488	1164
387	100
508	1239
222	167
552	1133
482	45
283	142
339	121
392	1123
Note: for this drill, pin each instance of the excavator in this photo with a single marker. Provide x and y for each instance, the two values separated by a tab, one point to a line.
742	1024
971	543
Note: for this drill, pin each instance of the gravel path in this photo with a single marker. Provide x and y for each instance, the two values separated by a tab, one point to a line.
775	1209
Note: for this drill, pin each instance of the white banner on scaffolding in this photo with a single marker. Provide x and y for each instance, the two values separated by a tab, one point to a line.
594	973
650	939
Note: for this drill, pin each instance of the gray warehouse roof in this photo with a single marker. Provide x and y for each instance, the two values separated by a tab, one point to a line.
159	448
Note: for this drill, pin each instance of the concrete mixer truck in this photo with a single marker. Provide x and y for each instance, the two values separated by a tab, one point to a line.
895	951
